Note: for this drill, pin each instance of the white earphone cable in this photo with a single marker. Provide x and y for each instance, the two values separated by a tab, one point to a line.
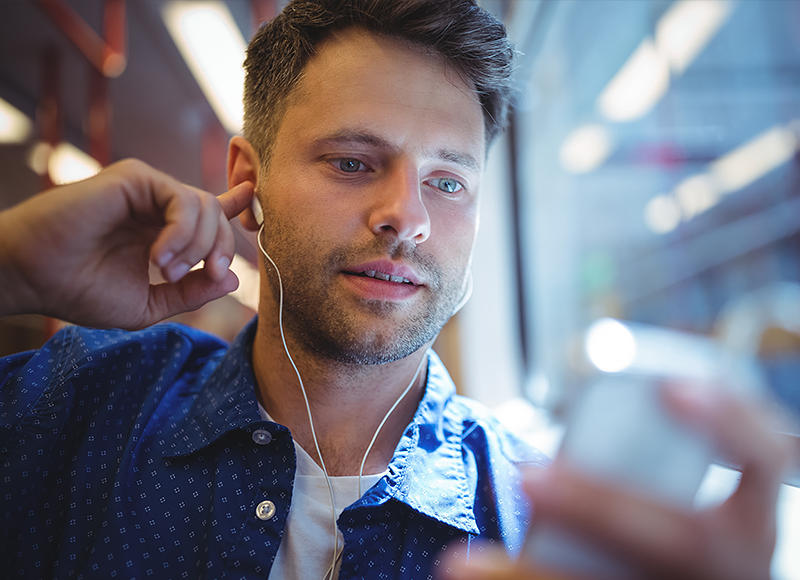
308	406
336	551
385	418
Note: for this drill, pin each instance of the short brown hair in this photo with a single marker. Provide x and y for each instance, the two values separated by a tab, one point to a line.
467	37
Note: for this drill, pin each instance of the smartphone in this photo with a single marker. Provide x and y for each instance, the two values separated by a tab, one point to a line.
619	432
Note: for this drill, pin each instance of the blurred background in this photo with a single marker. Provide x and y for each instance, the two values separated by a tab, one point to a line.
650	174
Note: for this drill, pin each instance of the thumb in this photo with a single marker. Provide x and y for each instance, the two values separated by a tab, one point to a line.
237	199
190	293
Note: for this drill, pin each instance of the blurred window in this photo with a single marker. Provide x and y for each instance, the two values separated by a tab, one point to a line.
658	176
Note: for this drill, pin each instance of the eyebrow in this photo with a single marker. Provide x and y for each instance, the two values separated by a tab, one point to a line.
350	136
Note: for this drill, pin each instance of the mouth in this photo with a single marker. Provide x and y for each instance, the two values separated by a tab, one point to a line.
382	276
383	281
386	271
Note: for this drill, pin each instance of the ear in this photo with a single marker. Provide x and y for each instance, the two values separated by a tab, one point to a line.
243	165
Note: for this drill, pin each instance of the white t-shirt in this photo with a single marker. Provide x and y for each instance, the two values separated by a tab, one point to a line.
306	550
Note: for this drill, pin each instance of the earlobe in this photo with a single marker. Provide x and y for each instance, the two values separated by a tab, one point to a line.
243	165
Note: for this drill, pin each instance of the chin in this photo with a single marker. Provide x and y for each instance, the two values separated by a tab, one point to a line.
372	350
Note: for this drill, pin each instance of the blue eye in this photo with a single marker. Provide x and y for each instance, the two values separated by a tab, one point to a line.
349	165
446	184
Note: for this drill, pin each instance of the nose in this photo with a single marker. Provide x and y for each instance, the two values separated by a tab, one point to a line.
399	209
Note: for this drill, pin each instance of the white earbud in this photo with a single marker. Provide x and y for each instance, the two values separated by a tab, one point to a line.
255	205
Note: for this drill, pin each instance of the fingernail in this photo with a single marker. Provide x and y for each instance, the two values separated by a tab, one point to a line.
165	259
178	271
224	263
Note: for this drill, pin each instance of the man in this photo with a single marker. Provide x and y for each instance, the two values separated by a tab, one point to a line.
159	453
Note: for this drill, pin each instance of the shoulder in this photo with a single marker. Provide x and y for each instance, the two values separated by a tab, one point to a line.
78	345
94	376
85	355
165	333
483	433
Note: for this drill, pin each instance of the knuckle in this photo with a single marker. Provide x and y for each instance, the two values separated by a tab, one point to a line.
131	165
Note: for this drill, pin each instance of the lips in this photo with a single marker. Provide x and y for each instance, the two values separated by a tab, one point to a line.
386	271
383	280
385	277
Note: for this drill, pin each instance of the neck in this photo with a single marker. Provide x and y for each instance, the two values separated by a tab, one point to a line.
347	401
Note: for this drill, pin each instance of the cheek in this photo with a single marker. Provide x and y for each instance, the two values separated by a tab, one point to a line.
453	230
312	204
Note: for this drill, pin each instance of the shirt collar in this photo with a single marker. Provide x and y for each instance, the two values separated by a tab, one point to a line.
226	401
429	472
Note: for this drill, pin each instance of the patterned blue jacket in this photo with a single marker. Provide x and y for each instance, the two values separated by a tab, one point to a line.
135	455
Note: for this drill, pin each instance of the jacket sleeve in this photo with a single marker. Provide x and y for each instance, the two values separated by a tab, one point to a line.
35	404
33	400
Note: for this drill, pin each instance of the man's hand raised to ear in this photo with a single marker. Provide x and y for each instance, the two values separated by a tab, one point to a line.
81	252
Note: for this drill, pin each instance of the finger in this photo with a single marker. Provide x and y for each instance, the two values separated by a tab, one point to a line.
221	256
236	200
486	564
623	522
204	236
744	430
232	203
183	242
181	214
490	564
190	293
156	199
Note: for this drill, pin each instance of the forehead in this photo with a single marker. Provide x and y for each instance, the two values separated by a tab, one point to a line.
361	82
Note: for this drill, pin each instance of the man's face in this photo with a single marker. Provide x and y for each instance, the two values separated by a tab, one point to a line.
370	199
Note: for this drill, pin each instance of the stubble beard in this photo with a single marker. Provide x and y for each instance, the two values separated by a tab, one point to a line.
331	328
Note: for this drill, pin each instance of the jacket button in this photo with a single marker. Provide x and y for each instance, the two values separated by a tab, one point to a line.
262	436
265	510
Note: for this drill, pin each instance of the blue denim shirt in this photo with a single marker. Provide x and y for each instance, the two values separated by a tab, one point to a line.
143	455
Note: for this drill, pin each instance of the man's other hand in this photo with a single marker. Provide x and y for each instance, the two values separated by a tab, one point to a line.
732	541
81	252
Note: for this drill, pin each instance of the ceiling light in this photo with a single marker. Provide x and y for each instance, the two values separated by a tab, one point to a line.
214	49
747	163
731	172
610	345
681	34
15	127
662	214
696	194
67	163
38	156
637	86
585	149
686	28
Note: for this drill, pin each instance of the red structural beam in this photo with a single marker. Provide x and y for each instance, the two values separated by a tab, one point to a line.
109	54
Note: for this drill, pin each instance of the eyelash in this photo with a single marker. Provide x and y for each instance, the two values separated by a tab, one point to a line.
459	186
433	182
337	164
